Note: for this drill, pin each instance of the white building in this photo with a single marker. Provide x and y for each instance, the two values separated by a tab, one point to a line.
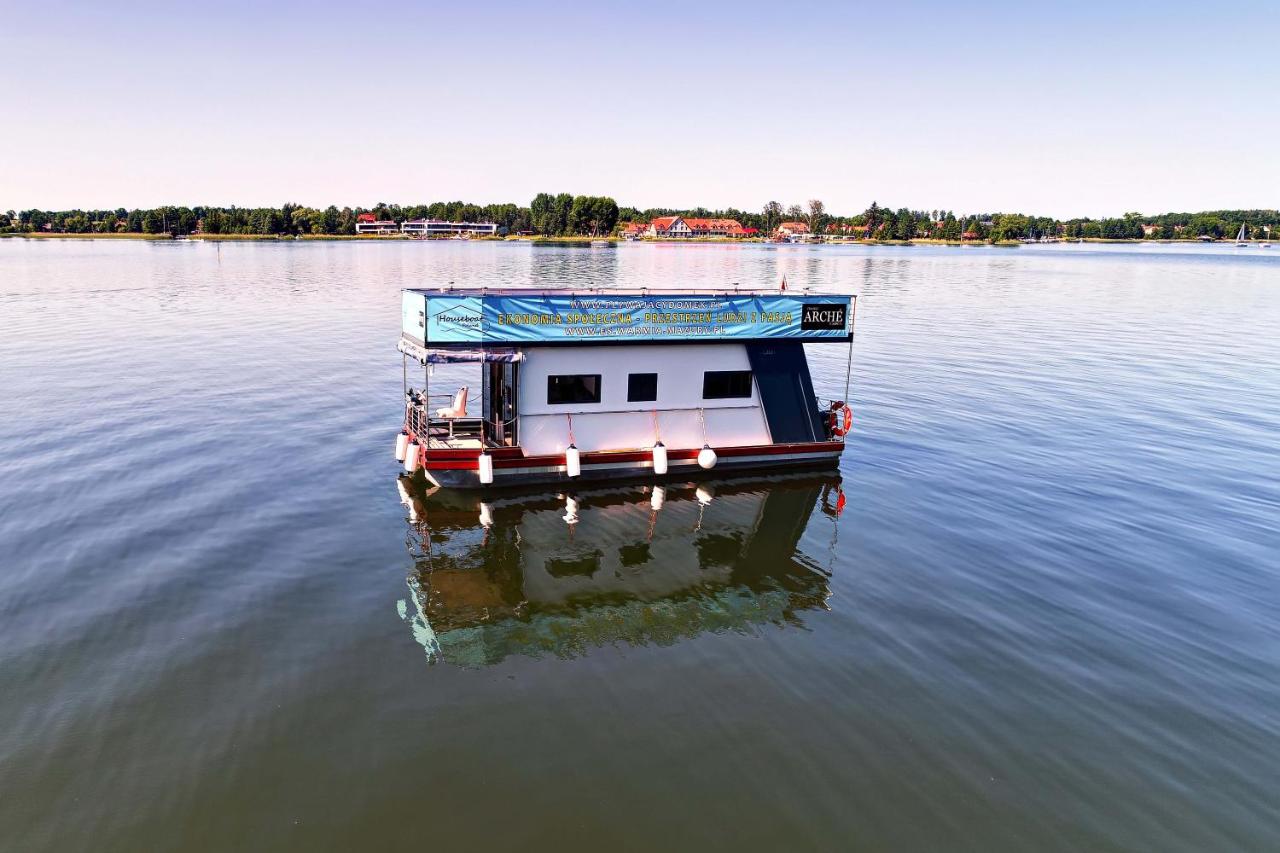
367	223
669	226
438	227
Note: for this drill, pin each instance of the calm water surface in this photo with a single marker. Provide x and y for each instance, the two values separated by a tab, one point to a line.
1048	616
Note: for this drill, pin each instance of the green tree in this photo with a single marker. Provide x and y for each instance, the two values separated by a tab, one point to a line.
817	212
873	218
1010	226
772	215
904	224
541	213
603	215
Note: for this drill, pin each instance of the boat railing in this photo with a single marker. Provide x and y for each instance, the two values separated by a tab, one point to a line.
419	420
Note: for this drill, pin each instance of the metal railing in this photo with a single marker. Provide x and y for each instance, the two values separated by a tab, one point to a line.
419	420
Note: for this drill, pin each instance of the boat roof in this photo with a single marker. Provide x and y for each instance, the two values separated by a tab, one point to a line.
478	317
566	290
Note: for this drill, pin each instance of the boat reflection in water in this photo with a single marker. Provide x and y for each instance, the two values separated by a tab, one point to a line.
560	573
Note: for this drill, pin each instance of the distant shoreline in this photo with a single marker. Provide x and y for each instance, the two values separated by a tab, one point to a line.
571	240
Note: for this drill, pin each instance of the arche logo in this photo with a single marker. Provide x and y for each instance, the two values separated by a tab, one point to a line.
824	317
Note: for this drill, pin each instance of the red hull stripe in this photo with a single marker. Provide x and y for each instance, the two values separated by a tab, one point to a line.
503	458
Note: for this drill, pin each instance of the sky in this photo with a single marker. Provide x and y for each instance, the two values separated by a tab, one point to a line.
1056	109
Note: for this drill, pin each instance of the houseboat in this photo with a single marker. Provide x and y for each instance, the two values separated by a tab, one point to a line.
610	384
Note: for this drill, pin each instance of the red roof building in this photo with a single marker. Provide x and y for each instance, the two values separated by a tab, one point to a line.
669	226
679	226
715	227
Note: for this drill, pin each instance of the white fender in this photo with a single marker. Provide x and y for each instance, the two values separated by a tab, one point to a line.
402	445
707	457
659	459
486	468
572	461
411	457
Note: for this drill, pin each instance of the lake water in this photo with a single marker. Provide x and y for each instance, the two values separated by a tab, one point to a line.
1047	617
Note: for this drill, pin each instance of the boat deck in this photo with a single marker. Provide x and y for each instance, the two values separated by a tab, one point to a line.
443	441
466	433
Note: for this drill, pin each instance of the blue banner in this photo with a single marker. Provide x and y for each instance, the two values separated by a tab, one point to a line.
441	318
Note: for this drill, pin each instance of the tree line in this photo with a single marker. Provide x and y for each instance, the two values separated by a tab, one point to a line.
565	214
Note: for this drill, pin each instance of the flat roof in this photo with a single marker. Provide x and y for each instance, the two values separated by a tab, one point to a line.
479	316
668	292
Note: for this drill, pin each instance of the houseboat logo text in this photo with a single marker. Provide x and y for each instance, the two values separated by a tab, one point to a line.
469	320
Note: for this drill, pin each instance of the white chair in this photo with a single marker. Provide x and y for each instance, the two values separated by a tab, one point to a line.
457	410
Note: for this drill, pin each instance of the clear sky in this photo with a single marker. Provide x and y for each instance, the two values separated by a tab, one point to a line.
1059	109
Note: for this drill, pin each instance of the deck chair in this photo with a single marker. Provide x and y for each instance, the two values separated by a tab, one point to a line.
457	410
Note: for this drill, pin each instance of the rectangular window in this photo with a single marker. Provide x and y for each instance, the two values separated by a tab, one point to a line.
642	387
726	384
575	388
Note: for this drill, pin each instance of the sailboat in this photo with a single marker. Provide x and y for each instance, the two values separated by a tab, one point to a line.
1240	237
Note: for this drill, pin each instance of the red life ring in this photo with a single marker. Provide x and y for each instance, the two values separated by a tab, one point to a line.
841	421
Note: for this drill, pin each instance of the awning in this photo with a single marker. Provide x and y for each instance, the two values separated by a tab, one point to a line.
457	356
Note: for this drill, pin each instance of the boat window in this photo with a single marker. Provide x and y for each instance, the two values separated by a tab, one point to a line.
726	384
573	388
642	387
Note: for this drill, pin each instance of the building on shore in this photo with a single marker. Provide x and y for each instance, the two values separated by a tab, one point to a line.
441	228
691	227
793	231
367	223
715	227
669	226
635	230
